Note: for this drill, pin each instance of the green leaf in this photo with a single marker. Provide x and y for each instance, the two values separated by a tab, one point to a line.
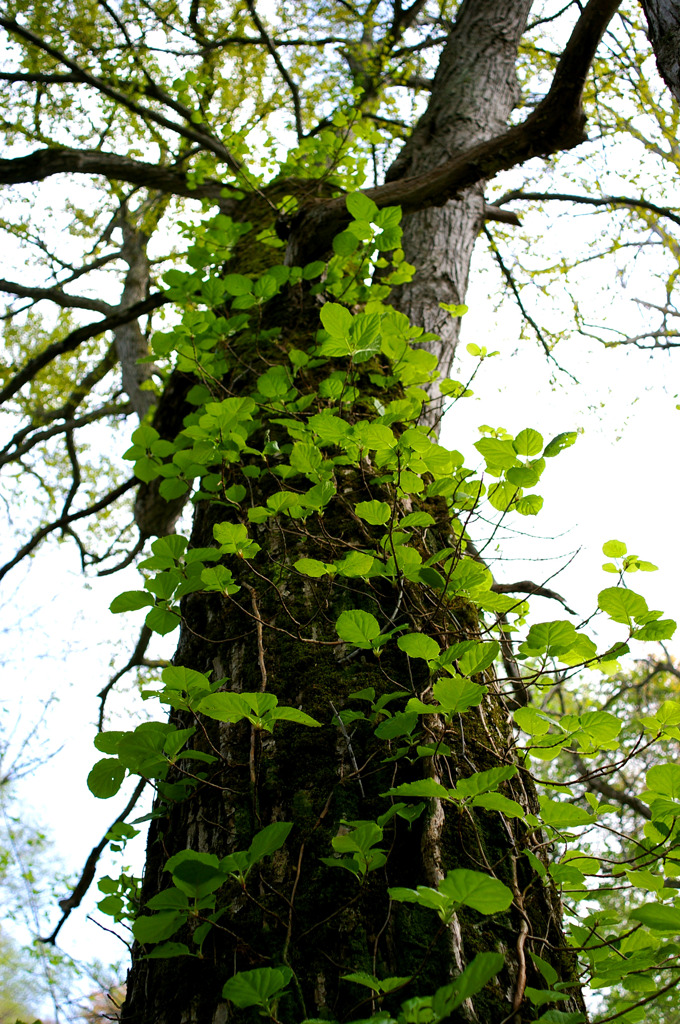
660	629
167	950
106	778
541	996
399	725
658	916
196	874
498	802
336	319
477	890
483	968
529	505
614	548
157	926
498	454
417	519
665	779
311	567
162	621
361	207
417	645
362	978
561	814
294	715
358	628
355	564
551	638
484	782
237	284
345	243
269	840
532	721
561	1017
454	695
528	442
622	605
306	459
456	310
256	988
224	707
219	578
377	513
428	788
173	546
130	601
559	443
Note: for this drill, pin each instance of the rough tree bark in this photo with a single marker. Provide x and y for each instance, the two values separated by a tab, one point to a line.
663	19
282	641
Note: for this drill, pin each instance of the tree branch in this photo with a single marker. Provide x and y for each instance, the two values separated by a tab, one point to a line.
136	660
563	197
77	337
87	874
283	70
527	587
205	140
557	123
42	163
28	442
62	523
56	295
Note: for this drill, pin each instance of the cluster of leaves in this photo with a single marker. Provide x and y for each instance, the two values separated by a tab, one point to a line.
319	434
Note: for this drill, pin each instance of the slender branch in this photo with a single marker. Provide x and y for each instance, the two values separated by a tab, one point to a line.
563	197
494	212
76	338
527	587
40	78
88	872
507	274
136	660
63	522
67	426
619	796
283	70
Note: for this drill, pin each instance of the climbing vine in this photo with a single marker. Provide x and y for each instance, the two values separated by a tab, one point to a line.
340	399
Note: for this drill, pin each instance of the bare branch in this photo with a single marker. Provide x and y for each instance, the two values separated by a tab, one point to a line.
619	796
88	872
283	70
135	660
493	212
527	587
562	197
63	523
44	435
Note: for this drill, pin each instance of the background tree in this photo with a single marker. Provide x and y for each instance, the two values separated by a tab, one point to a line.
161	76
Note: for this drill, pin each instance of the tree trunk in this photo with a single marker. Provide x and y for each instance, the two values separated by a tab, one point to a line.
663	19
277	635
474	91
